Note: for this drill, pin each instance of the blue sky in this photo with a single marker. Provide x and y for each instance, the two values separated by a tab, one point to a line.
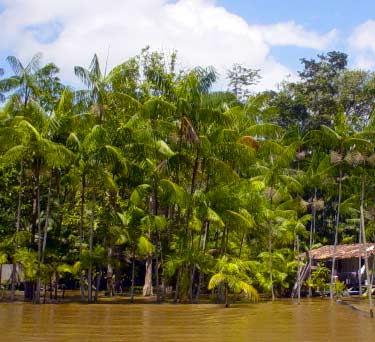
318	15
271	35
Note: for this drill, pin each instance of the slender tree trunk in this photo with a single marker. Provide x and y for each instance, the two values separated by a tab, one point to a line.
147	288
133	277
56	285
157	276
110	274
298	273
177	292
161	292
192	276
97	285
311	242
270	264
226	296
91	238
44	293
242	241
155	212
360	259
369	287
47	217
201	275
336	238
37	289
81	278
18	223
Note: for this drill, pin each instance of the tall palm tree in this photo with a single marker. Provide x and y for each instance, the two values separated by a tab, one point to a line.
24	80
2	86
340	142
98	85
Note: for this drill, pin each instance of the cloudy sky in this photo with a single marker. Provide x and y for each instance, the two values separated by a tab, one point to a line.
267	34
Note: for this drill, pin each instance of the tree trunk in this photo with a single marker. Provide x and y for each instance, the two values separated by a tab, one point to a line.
18	223
177	292
37	289
270	264
360	259
91	238
97	286
192	276
369	287
311	242
133	278
47	217
81	278
336	238
147	287
298	273
56	284
157	276
226	296
110	274
200	279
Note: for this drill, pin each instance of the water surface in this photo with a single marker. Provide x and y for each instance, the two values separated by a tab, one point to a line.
313	320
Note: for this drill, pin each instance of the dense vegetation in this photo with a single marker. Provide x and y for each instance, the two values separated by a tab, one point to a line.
147	177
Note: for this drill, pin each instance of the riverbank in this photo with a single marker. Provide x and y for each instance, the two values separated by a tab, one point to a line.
73	296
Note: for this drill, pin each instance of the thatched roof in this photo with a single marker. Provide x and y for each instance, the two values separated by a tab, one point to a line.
343	251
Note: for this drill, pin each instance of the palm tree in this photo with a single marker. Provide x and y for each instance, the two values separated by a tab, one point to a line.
361	160
231	273
24	80
41	153
2	96
98	85
340	142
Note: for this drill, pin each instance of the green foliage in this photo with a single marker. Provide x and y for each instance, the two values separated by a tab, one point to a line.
147	162
319	278
232	273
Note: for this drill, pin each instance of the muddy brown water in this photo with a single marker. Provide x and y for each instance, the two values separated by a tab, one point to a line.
312	320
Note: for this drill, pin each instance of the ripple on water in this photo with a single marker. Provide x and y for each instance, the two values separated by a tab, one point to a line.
312	320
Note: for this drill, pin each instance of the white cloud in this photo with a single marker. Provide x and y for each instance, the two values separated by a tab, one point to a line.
202	33
362	45
290	33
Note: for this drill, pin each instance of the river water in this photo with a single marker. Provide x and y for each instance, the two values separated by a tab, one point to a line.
312	320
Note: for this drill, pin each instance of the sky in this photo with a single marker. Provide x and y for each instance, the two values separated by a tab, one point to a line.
271	35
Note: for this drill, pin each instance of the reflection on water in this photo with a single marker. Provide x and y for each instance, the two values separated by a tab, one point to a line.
313	320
